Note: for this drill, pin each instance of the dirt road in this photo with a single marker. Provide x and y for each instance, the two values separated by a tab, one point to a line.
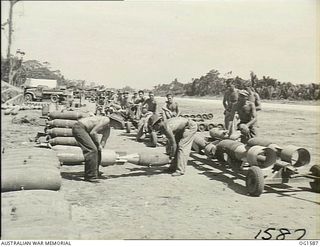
206	203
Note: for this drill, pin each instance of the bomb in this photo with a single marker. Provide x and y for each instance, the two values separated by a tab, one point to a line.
71	141
147	159
70	115
62	123
55	132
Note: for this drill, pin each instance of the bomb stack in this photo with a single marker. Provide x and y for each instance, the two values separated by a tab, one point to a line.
30	196
59	127
59	135
204	121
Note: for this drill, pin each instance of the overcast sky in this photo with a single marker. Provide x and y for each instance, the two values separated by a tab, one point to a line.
144	43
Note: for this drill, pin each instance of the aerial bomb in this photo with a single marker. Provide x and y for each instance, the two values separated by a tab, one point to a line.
147	159
55	132
63	141
30	178
62	123
70	115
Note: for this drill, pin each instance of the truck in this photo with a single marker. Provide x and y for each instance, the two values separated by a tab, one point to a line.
43	89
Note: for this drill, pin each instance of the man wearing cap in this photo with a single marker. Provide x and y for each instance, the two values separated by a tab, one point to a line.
247	114
86	132
180	133
229	99
171	108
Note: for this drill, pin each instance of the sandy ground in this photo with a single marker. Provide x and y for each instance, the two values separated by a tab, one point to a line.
206	203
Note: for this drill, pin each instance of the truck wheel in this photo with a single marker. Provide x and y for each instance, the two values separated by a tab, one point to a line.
210	116
315	185
28	97
54	98
255	181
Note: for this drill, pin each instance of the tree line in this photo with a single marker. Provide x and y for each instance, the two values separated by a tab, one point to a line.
212	84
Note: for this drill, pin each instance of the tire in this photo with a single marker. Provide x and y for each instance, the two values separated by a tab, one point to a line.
255	181
210	116
201	127
315	185
28	97
54	98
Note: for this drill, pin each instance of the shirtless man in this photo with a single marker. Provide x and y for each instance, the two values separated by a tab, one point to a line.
170	109
180	133
247	114
86	132
254	97
151	103
229	99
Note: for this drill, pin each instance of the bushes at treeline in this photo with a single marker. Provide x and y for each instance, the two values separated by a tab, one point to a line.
268	88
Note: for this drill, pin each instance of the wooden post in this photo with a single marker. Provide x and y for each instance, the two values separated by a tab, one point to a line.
10	23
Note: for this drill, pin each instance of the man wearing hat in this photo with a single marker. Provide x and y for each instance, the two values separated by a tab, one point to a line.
180	133
247	115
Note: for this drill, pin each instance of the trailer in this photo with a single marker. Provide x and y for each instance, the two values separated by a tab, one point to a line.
261	162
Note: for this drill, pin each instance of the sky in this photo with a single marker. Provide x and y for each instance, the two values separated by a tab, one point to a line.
145	43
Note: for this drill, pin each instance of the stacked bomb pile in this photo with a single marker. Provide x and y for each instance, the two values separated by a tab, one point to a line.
204	121
59	127
30	200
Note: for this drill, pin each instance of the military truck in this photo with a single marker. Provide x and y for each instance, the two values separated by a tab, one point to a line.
40	93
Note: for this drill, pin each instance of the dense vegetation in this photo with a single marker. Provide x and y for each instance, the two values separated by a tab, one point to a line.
212	84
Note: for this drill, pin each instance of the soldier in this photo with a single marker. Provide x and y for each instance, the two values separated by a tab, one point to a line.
138	104
151	103
134	97
170	109
143	126
247	114
180	133
254	97
229	99
86	132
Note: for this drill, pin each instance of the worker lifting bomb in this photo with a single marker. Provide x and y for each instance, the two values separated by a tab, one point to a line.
86	132
180	133
247	115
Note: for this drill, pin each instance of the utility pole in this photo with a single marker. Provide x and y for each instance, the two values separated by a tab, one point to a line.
10	23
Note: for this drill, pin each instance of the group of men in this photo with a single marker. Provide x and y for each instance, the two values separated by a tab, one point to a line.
179	131
238	103
245	102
